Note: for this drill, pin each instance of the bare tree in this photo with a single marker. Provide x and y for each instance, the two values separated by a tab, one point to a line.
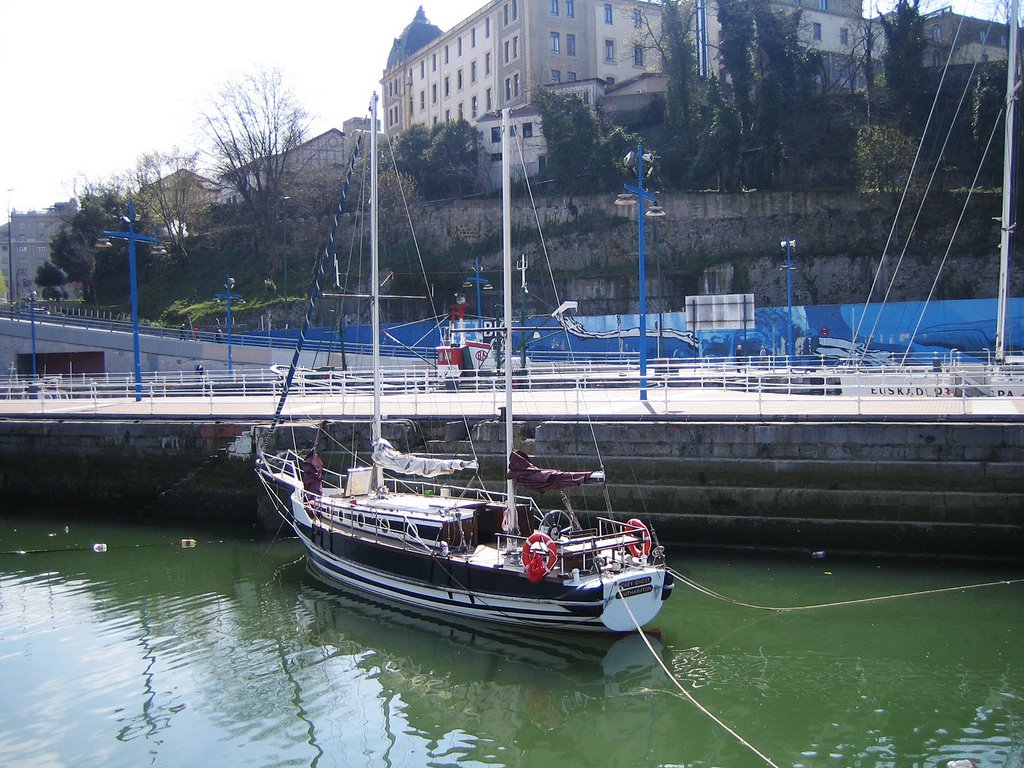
254	126
174	194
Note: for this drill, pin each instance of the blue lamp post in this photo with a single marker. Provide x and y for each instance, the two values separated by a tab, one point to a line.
480	283
789	245
229	283
32	319
132	237
638	195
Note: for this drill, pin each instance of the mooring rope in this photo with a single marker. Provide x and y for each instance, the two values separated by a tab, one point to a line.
863	600
686	694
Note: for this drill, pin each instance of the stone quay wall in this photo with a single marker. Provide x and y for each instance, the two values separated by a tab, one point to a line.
941	488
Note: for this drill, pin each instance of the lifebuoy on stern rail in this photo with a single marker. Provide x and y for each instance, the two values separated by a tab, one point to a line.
540	554
643	548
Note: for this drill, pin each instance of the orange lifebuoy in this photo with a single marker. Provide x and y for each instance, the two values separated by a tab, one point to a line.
644	547
540	553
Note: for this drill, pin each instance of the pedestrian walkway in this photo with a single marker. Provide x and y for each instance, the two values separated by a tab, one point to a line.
624	403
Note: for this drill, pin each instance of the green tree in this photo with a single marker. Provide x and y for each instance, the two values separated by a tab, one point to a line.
452	158
717	164
584	154
52	280
903	63
684	93
411	150
74	250
884	157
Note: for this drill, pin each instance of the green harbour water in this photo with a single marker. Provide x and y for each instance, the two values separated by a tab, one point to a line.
229	653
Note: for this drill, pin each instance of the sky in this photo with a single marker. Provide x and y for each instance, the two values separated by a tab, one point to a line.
89	87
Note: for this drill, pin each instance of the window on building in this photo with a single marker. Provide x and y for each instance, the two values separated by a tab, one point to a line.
570	44
446	59
488	100
554	7
515	84
487	63
823	4
608	13
816	31
515	47
447	115
462	114
515	9
472	38
937	33
433	94
434	121
508	51
472	72
638	18
458	79
556	42
473	107
638	55
527	130
423	69
496	135
508	88
556	75
570	8
505	14
609	50
423	100
433	62
570	77
844	36
983	35
447	86
487	27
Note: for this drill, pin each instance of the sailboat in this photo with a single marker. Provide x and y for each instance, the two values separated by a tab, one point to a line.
393	531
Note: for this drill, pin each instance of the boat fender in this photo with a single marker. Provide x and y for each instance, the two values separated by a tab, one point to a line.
540	553
643	548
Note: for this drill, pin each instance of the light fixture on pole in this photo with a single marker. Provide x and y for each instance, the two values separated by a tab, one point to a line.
229	283
480	283
32	319
789	245
132	237
637	195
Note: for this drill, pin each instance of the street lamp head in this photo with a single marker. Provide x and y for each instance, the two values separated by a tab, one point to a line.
33	295
103	243
655	212
158	250
789	243
625	199
230	283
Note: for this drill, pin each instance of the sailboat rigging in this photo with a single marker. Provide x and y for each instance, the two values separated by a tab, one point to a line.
391	532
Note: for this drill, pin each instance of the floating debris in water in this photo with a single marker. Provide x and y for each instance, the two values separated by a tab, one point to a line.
188	543
99	547
819	554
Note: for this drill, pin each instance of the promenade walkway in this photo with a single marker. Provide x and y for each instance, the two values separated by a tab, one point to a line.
622	403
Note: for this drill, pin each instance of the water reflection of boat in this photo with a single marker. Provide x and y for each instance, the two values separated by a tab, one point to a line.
485	679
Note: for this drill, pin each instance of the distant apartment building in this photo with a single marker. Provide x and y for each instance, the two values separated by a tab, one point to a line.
962	39
25	245
497	56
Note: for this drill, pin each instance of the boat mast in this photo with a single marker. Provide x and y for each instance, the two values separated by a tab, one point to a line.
375	432
506	258
1006	225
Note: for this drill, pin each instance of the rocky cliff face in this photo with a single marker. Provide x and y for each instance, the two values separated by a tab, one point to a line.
712	243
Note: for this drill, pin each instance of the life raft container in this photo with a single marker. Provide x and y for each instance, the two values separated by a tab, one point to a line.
643	548
540	553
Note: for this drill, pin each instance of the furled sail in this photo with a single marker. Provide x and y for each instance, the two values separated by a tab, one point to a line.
387	456
522	471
